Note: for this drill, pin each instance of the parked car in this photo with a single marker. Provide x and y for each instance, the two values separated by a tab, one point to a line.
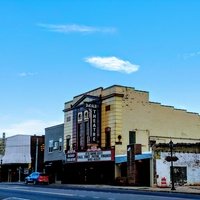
37	177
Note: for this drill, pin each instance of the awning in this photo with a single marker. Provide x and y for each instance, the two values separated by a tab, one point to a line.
18	150
123	158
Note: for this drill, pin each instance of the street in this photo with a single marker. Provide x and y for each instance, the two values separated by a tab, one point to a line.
31	192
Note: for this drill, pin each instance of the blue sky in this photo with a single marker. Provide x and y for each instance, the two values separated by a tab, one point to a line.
53	50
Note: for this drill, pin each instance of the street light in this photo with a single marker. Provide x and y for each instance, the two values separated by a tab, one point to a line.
172	167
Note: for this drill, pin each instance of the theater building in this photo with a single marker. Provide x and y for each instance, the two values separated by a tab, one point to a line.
109	134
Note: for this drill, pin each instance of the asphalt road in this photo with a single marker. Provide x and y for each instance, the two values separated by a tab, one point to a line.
31	192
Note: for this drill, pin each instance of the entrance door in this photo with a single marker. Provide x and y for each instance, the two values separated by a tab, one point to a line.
143	171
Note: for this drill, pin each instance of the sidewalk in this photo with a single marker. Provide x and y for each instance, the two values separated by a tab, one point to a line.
179	189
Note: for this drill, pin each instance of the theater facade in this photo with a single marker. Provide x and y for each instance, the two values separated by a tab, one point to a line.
109	134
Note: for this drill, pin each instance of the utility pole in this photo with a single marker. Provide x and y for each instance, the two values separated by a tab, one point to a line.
172	167
36	155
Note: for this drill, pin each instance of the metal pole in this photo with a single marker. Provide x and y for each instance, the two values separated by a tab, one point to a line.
36	156
19	174
1	171
172	167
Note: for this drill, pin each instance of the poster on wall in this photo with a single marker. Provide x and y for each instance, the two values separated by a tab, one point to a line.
71	157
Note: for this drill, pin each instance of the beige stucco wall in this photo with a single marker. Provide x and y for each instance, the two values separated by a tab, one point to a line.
153	120
111	118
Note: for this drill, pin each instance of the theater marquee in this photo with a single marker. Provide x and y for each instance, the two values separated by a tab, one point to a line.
95	156
90	156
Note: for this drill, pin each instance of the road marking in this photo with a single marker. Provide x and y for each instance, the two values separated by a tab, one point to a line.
14	198
82	196
41	192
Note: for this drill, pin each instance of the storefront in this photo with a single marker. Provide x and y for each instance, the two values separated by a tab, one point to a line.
140	169
90	167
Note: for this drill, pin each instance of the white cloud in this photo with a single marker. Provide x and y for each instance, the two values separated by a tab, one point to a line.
112	64
68	28
190	55
25	74
29	127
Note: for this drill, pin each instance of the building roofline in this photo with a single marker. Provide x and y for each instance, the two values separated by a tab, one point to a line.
85	93
175	109
71	101
112	95
18	135
115	85
54	126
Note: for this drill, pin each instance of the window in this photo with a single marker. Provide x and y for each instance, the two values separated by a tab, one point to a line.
108	108
86	116
50	146
86	134
68	118
180	174
79	136
107	137
79	116
55	145
132	139
68	137
60	144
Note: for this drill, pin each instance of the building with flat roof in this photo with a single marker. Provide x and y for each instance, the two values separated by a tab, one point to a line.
23	155
54	154
105	126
